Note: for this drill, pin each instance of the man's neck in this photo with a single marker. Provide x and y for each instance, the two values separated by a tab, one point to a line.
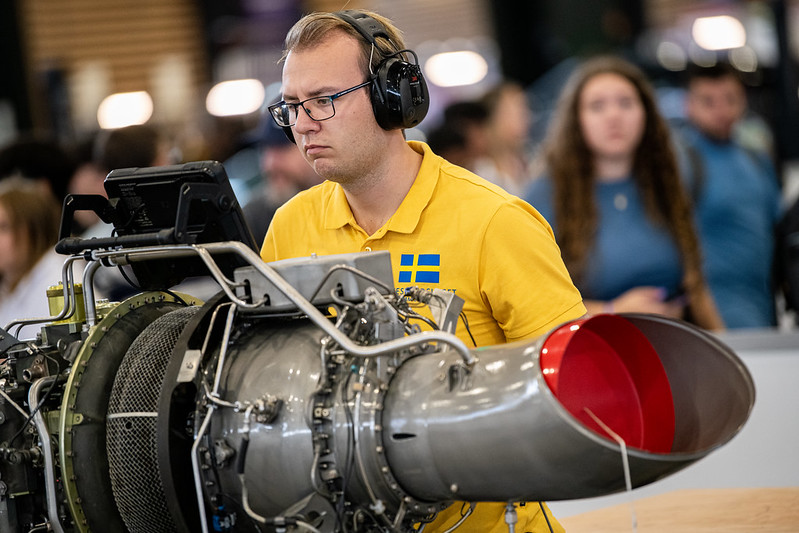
377	196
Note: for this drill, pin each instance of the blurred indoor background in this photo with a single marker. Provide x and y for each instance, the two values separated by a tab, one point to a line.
202	70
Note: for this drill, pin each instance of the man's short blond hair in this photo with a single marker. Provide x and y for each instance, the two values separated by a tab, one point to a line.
312	29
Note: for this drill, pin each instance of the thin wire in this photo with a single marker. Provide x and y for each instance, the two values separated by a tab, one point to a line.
176	296
462	519
625	465
468	330
410	314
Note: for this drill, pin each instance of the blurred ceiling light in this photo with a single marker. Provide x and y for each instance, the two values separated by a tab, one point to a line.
700	56
453	69
744	59
671	56
718	33
124	109
235	97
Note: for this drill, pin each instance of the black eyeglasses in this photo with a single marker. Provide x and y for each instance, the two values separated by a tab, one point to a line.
317	107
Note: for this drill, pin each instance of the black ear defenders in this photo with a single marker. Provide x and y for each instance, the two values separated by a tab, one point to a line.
399	91
399	94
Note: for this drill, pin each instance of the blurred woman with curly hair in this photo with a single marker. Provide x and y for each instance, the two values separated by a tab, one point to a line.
614	197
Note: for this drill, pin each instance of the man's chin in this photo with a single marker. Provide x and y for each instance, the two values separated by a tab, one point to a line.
326	172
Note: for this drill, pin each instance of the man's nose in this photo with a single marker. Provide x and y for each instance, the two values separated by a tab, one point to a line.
304	122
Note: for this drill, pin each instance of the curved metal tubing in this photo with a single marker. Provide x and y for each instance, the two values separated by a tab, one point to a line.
206	250
47	449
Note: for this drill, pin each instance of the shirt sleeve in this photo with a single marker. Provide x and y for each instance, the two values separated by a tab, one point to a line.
522	276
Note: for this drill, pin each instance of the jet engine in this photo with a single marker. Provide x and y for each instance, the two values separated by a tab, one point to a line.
308	395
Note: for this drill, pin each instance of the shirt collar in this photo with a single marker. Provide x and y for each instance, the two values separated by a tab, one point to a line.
406	218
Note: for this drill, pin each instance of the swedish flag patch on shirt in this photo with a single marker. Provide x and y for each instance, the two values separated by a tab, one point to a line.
419	268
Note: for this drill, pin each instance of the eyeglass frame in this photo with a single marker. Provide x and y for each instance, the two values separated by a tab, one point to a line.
278	105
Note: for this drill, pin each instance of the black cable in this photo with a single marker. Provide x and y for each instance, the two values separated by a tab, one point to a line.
466	325
122	272
541	505
176	297
422	299
416	316
127	278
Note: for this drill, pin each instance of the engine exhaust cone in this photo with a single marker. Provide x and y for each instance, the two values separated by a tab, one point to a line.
604	369
522	425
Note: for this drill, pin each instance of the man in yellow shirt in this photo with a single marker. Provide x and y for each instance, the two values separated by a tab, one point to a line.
347	96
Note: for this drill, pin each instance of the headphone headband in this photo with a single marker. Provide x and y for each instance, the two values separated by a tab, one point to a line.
367	26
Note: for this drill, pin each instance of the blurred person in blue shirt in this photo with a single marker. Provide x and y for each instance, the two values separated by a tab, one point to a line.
736	195
614	197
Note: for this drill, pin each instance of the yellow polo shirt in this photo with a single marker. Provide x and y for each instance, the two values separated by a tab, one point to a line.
453	231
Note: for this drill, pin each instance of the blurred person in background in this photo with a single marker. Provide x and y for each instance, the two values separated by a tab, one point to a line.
614	197
736	195
86	179
507	129
140	145
40	159
132	146
284	173
29	219
467	120
449	142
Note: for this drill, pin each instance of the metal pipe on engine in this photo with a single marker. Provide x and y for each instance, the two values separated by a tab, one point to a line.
88	292
320	320
195	464
70	305
49	459
206	250
231	314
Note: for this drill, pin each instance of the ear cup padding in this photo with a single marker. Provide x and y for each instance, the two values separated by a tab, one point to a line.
399	91
400	97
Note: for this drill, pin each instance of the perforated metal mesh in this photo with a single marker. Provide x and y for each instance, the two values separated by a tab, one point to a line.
131	439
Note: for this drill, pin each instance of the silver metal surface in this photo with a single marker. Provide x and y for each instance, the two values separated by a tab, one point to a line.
492	433
502	435
284	362
349	275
